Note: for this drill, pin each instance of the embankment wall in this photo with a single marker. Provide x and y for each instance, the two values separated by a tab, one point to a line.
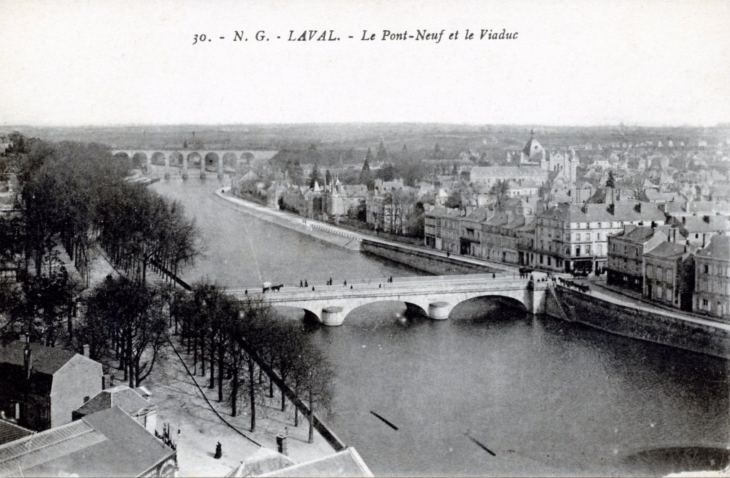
423	261
321	232
640	324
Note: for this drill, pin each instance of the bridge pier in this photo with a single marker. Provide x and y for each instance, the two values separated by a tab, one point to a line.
439	310
167	166
185	167
333	316
220	167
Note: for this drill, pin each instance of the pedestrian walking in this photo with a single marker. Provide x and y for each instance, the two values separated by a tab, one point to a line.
300	283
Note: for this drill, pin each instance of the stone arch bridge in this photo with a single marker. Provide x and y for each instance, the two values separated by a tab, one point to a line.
435	296
207	159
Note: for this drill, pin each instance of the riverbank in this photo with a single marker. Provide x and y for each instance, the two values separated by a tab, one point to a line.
618	316
421	258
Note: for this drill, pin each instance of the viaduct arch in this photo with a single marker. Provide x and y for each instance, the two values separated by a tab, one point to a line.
204	160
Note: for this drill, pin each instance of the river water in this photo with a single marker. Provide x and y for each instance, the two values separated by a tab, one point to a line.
545	397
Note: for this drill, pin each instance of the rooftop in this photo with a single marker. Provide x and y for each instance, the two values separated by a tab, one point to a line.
11	432
718	248
46	360
120	396
591	212
107	443
667	250
344	463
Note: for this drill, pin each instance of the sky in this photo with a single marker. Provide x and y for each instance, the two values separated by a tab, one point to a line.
579	62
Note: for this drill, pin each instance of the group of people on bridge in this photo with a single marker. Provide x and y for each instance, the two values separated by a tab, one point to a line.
569	283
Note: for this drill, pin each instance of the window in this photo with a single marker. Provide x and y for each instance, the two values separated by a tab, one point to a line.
706	268
650	272
86	399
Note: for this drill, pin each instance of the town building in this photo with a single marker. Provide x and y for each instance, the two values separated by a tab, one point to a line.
670	275
625	263
571	237
712	278
434	225
41	386
698	230
492	175
390	212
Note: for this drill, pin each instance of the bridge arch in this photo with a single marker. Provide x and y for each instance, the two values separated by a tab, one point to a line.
302	314
194	159
398	308
139	160
158	158
229	160
471	307
247	157
211	161
176	159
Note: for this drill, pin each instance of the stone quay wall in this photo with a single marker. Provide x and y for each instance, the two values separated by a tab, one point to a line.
639	324
322	232
423	260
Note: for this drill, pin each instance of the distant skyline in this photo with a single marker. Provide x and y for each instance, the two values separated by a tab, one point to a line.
575	63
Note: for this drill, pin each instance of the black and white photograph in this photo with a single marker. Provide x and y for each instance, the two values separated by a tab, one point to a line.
340	238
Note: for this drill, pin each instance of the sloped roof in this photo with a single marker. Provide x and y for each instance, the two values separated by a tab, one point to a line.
667	250
636	234
29	455
478	215
344	463
697	224
45	359
120	396
11	432
718	248
106	443
623	211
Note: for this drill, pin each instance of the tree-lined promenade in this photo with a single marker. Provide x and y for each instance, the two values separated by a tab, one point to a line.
75	196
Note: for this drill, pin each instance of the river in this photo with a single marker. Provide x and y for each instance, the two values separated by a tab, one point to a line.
545	397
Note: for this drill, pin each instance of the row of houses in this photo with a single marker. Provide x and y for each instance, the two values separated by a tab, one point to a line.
675	269
564	237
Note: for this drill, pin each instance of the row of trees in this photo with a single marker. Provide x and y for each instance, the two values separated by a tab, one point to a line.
236	344
75	195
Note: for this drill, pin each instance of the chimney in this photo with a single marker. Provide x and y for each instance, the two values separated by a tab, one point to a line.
611	208
86	350
637	208
27	358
